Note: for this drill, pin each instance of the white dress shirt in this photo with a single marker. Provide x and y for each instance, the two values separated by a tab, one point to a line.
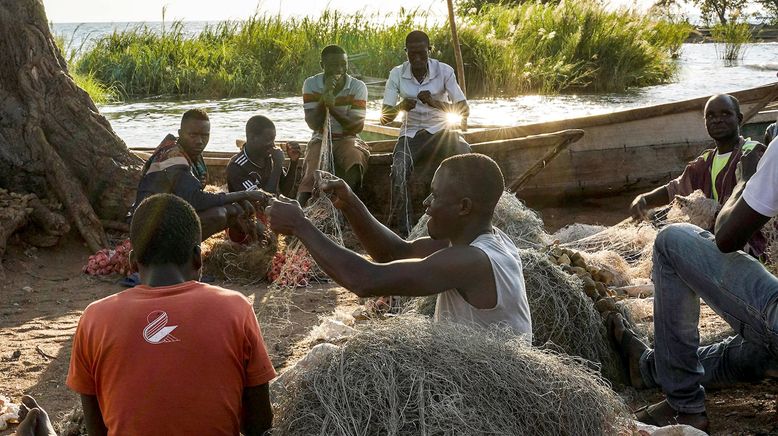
440	82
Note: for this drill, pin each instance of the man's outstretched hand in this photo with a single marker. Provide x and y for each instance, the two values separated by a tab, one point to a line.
336	189
285	215
34	420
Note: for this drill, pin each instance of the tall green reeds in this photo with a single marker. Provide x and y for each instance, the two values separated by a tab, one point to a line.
507	51
97	89
730	39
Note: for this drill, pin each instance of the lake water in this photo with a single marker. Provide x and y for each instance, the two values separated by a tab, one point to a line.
145	123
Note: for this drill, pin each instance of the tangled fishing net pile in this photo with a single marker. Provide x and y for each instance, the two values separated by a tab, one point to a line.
411	376
564	315
228	260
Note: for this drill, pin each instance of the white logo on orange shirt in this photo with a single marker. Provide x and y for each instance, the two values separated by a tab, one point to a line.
157	332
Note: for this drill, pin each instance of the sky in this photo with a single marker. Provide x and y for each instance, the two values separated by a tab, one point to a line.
81	11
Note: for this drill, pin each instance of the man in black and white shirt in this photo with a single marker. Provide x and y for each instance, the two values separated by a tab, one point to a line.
260	165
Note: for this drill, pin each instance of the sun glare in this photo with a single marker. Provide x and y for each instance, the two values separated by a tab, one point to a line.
453	118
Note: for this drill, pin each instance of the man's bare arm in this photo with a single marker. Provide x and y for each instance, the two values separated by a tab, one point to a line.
352	123
93	417
257	411
649	200
454	267
315	117
735	225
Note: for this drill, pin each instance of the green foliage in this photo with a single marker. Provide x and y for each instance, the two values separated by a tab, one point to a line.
580	46
532	47
722	10
730	38
97	90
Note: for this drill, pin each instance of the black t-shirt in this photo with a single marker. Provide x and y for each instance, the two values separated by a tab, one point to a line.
243	174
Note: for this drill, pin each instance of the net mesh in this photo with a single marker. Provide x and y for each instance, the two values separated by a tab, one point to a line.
294	267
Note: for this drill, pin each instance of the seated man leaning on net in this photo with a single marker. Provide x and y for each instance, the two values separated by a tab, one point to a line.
177	167
344	98
473	267
689	264
260	165
172	356
713	172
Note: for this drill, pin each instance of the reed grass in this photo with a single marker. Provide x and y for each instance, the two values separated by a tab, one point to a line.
730	39
507	51
98	91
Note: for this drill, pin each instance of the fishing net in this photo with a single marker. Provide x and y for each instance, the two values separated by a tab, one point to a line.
72	423
620	271
770	232
564	315
323	214
522	224
634	242
245	264
574	232
399	194
695	209
410	376
627	238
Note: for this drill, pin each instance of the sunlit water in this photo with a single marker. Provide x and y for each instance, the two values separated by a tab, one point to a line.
144	123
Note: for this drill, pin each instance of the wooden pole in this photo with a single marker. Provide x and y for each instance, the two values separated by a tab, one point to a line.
457	50
542	162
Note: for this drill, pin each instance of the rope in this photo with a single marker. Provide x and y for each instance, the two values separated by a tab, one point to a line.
404	172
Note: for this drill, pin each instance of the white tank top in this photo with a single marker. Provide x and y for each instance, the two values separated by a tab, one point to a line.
512	309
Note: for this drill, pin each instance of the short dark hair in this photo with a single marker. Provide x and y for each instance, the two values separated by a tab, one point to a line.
332	49
194	114
480	178
164	230
732	99
257	124
417	36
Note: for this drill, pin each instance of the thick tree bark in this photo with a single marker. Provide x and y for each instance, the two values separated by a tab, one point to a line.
53	141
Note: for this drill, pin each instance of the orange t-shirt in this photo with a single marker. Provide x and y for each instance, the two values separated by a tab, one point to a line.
169	360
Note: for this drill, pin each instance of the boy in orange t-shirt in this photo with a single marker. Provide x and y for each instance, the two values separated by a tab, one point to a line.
171	356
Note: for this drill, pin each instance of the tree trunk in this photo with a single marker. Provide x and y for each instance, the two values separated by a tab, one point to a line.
53	141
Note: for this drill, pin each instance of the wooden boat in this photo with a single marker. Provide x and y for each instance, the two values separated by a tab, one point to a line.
631	149
627	150
514	155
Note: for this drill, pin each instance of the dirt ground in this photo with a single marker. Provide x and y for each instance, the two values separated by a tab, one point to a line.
45	293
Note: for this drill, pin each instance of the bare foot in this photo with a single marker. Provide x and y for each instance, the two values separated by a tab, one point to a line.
630	347
34	420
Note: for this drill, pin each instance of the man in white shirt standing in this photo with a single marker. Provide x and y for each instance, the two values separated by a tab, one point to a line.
427	91
689	264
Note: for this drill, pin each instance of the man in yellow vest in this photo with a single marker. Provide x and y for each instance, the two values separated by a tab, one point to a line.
713	171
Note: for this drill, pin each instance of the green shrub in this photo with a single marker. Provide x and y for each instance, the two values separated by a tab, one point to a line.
533	47
730	39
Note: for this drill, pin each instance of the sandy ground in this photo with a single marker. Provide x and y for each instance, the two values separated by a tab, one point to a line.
45	293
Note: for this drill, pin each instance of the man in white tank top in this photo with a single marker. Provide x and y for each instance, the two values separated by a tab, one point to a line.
472	266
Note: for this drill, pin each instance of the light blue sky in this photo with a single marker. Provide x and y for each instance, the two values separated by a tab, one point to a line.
77	11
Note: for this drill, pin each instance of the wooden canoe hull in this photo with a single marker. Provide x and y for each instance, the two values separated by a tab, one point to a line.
631	149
